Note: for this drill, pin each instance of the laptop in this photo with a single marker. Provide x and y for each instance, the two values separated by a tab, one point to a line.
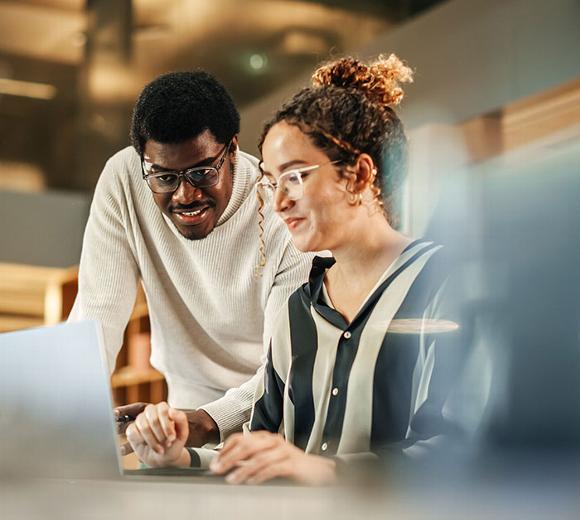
56	410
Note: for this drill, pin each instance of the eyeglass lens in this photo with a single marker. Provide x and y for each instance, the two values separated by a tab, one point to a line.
290	184
199	177
168	182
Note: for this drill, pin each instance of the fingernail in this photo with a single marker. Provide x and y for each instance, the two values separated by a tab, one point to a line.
171	438
232	478
215	465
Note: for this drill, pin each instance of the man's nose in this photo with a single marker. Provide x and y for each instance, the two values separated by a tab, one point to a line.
186	193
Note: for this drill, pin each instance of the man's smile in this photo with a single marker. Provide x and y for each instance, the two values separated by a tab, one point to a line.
193	215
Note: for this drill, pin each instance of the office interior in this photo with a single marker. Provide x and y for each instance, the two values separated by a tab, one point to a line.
495	103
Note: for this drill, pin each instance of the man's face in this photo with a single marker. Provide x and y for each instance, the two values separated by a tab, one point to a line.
193	211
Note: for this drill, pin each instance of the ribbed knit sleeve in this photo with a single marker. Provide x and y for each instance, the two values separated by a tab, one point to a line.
292	273
108	274
234	408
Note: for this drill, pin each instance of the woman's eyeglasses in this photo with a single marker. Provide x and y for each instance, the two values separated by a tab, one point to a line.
167	181
291	182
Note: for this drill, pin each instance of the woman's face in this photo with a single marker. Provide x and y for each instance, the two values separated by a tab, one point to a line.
319	219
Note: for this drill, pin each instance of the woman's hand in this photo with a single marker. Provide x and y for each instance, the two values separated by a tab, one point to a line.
260	456
158	436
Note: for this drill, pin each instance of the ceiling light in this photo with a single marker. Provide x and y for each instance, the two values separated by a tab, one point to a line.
258	62
28	89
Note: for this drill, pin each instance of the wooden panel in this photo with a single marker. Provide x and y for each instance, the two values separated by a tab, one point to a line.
542	115
9	323
127	376
45	292
22	288
158	392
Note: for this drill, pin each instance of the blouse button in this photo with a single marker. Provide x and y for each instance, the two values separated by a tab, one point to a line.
324	446
335	391
347	335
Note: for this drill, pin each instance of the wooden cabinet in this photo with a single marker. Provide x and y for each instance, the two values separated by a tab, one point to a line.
134	378
32	296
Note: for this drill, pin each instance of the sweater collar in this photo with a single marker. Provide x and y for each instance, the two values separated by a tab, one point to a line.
245	175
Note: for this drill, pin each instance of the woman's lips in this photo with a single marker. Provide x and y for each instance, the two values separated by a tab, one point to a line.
293	222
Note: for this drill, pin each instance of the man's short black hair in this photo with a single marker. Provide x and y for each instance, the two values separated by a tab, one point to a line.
178	106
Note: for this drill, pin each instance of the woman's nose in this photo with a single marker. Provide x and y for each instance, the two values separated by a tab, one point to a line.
281	200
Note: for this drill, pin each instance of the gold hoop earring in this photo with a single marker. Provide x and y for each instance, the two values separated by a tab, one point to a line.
354	198
352	194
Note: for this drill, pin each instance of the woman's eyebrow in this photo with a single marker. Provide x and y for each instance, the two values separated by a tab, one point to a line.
293	162
282	167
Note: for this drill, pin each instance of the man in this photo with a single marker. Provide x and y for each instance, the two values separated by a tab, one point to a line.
179	212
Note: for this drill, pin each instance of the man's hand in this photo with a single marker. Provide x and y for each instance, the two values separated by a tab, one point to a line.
202	428
260	456
127	411
158	436
125	415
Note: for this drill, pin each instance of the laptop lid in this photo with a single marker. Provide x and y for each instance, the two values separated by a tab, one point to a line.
56	416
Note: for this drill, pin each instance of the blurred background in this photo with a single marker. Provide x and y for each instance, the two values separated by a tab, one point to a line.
497	82
70	70
493	121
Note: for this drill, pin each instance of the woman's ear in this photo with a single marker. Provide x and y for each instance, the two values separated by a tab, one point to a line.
365	171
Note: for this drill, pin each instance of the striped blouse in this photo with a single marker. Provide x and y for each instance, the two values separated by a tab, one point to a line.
337	389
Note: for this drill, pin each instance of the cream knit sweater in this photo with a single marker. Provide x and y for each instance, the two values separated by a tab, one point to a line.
210	315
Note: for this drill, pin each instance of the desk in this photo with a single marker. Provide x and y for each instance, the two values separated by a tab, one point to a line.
206	498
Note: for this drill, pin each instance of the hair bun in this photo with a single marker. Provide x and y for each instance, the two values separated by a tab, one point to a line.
379	81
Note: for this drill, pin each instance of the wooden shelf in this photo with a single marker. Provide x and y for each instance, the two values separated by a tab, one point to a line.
140	310
127	376
32	296
10	323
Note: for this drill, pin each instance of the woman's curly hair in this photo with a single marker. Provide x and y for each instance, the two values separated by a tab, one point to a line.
348	110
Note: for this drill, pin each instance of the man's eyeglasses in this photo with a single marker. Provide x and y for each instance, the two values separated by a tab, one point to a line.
291	182
167	181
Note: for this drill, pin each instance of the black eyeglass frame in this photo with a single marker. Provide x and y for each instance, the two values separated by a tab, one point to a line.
187	172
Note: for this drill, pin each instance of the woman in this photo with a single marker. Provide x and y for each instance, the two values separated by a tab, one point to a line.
350	365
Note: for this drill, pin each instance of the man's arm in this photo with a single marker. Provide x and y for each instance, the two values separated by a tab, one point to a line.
233	410
267	401
108	274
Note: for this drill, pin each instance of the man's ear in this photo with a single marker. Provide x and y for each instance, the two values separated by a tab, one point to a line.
234	145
